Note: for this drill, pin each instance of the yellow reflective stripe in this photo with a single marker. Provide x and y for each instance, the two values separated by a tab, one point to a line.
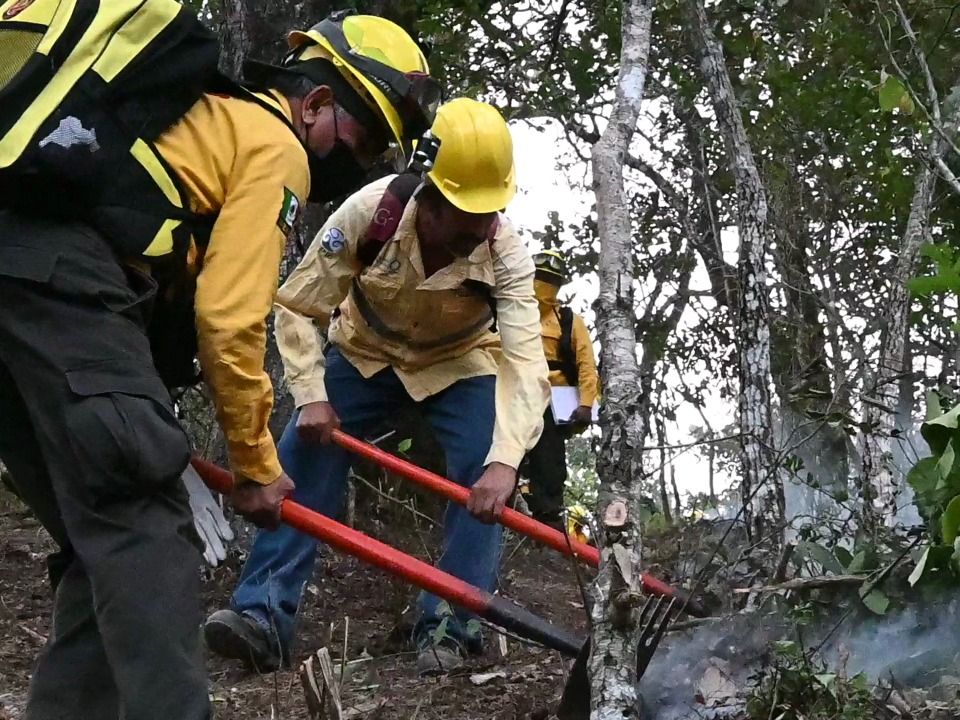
162	243
149	21
86	52
146	156
39	12
57	26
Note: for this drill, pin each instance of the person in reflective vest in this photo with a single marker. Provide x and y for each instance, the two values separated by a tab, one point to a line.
89	434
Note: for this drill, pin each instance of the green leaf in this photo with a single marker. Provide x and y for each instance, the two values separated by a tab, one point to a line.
821	556
786	647
858	563
934	284
919	569
829	681
843	556
404	445
440	631
933	405
892	93
938	431
907	106
877	602
950	521
935	559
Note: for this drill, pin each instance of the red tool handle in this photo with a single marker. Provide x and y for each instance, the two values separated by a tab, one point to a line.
353	542
459	494
510	517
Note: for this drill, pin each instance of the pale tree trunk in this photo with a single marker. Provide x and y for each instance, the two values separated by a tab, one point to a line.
801	373
879	483
761	486
615	633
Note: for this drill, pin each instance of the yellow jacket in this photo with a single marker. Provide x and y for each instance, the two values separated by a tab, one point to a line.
236	160
432	331
588	381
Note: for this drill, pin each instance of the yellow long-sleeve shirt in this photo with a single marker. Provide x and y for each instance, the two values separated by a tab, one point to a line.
436	328
588	380
238	161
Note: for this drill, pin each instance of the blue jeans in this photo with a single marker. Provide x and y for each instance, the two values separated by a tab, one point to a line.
281	562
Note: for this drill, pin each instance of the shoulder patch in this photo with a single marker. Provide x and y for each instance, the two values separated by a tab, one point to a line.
289	212
333	241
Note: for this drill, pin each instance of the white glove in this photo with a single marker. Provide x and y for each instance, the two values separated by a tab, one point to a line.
208	518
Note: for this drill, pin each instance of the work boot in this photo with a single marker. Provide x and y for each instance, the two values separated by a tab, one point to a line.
239	637
438	658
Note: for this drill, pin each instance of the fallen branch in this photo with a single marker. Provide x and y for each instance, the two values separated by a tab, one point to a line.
42	639
807	583
405	504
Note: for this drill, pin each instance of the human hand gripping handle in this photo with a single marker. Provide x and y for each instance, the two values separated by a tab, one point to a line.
259	503
317	421
490	493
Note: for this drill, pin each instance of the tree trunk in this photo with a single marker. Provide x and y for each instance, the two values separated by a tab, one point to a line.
761	485
623	428
712	450
879	485
662	472
678	504
801	374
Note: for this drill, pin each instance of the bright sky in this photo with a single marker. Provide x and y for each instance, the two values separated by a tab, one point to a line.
543	188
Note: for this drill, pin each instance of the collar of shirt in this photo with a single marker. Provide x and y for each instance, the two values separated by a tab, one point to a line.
478	266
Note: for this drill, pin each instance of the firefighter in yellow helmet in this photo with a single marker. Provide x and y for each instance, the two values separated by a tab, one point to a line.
569	352
405	278
89	431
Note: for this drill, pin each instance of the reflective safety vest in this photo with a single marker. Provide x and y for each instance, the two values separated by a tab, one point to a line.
86	86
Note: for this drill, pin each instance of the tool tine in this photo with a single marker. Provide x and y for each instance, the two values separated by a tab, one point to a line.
648	620
647	606
653	633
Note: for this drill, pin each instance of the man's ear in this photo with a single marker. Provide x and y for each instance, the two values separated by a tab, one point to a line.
319	97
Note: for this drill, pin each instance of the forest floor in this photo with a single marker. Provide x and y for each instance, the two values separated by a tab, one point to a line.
383	684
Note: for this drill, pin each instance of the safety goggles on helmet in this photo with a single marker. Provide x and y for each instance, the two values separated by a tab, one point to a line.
551	263
415	95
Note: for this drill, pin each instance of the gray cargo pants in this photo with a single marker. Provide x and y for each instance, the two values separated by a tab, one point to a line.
88	434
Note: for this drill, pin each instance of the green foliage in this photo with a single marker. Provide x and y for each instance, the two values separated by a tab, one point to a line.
795	688
936	484
894	96
946	278
877	602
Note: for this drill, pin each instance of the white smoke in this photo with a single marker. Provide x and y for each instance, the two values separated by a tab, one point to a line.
707	671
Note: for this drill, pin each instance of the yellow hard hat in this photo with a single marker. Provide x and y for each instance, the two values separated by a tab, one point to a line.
474	165
553	263
382	63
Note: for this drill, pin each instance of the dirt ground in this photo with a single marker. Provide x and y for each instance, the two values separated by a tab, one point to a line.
382	683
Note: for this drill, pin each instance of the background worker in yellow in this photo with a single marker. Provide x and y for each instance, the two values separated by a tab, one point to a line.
411	322
89	431
569	353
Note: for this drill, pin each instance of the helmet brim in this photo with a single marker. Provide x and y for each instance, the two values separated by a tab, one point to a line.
478	201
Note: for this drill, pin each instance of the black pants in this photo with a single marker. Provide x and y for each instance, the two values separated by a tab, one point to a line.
88	434
546	468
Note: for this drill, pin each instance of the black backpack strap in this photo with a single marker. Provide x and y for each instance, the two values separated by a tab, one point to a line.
387	216
568	356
